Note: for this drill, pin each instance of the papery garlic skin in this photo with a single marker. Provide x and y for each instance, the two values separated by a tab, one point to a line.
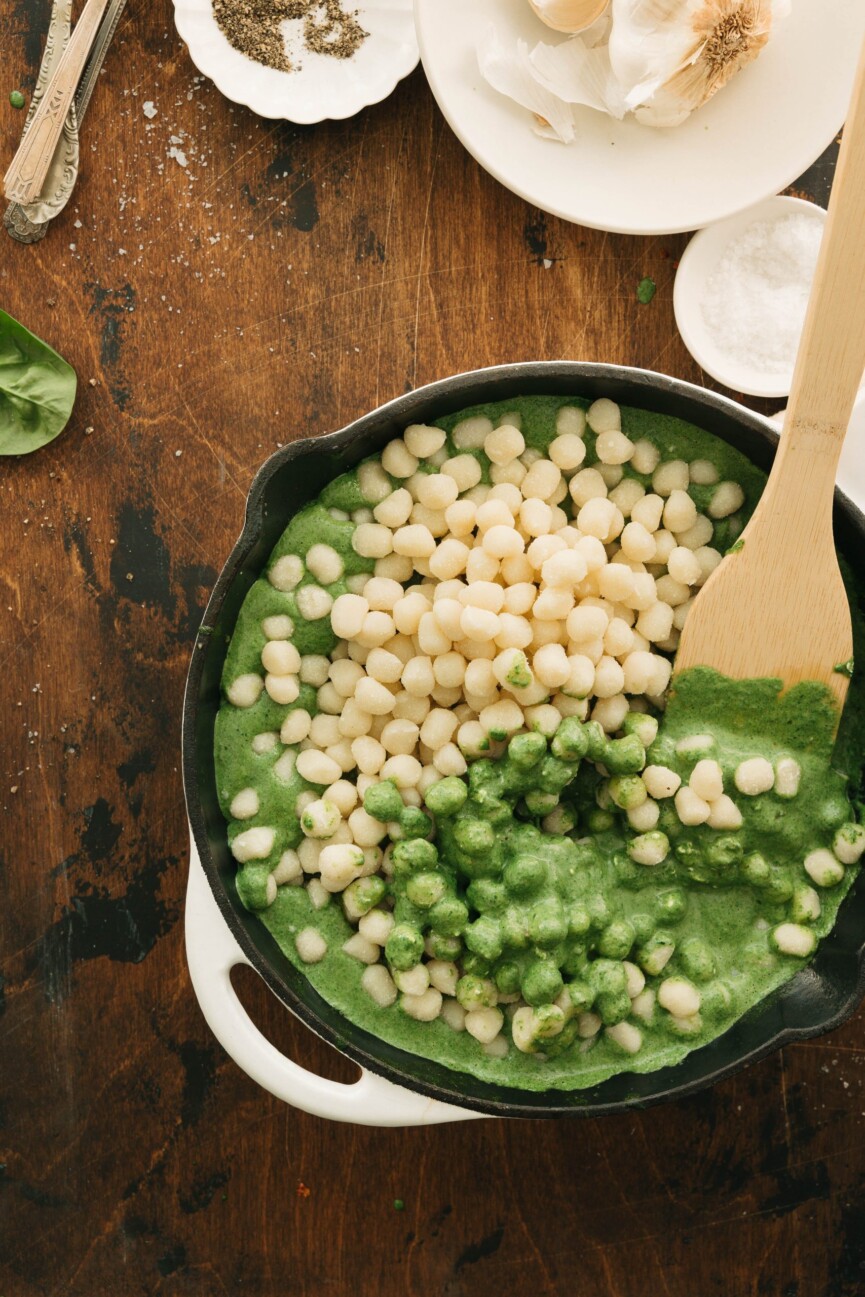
579	74
672	56
508	70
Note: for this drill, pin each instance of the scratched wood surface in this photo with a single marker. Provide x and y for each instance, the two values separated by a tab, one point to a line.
222	285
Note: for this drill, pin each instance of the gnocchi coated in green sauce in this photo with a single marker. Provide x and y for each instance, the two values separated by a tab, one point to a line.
464	792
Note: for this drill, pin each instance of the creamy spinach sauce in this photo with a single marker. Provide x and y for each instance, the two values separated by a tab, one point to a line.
539	910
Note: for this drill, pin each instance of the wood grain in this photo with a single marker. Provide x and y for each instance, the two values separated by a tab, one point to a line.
282	281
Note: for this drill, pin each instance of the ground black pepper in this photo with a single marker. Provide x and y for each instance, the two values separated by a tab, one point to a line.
254	28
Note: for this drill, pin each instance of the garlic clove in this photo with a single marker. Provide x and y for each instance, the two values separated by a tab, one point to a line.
569	15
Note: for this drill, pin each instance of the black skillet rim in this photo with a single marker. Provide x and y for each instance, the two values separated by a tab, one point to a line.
627	1090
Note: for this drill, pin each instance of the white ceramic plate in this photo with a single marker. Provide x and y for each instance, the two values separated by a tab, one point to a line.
698	262
322	87
752	140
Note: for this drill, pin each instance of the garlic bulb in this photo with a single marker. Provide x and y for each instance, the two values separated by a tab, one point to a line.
569	15
671	56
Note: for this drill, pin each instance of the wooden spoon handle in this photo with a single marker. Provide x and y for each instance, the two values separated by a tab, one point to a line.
831	357
26	175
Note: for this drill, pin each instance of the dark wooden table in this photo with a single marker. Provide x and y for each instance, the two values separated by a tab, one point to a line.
222	285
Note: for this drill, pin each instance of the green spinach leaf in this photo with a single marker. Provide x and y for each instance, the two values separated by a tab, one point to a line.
37	390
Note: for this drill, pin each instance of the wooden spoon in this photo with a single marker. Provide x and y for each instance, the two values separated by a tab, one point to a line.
569	15
777	606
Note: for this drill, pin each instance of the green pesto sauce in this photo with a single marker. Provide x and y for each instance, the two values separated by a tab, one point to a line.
586	899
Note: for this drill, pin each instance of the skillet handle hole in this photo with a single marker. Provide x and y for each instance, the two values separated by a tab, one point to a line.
287	1033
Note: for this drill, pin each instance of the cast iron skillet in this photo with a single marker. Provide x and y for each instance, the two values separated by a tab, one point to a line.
819	998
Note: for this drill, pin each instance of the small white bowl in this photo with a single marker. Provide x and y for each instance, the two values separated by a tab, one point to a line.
699	261
323	87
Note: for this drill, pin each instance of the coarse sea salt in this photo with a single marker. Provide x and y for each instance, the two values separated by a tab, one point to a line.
755	300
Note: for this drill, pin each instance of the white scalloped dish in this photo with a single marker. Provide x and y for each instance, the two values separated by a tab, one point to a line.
323	87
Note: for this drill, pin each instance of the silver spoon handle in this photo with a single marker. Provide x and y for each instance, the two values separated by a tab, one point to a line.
26	174
56	39
17	221
97	57
30	224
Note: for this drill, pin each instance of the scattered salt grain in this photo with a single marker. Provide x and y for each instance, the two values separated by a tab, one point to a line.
149	108
754	302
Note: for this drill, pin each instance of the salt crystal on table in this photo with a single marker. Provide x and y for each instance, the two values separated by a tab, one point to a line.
149	108
754	303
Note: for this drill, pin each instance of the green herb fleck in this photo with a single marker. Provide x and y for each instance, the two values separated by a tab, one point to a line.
398	1204
519	674
16	99
646	290
737	546
844	668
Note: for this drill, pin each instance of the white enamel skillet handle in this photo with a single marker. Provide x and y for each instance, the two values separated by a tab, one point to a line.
212	952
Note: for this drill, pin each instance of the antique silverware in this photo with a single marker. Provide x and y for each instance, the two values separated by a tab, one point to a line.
26	174
29	223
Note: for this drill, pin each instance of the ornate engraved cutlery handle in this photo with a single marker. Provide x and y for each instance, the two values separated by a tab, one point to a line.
27	172
18	220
